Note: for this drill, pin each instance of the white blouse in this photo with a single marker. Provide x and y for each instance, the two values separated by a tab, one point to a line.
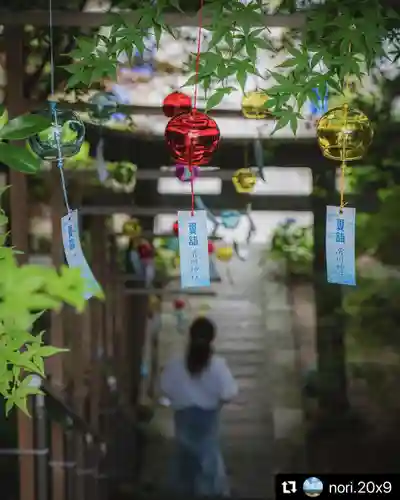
207	390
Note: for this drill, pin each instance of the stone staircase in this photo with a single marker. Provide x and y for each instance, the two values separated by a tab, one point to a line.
246	341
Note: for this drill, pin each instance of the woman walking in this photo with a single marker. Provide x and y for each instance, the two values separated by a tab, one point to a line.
197	387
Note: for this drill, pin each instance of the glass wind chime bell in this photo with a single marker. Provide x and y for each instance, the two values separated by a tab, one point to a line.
344	134
253	106
102	106
244	179
65	135
192	138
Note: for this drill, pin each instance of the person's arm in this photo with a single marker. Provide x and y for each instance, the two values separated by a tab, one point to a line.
228	385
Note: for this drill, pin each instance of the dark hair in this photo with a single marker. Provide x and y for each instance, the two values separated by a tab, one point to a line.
202	333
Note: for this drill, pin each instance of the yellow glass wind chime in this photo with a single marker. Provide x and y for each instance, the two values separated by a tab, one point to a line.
244	179
344	134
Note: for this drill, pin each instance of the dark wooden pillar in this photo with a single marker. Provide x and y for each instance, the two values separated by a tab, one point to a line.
328	299
98	242
137	305
56	363
121	333
13	43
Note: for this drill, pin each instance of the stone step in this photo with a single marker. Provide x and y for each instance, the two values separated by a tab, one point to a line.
241	345
248	357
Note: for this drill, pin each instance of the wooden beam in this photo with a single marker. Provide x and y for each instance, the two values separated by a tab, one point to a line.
134	109
149	151
165	292
154	174
81	19
119	203
15	71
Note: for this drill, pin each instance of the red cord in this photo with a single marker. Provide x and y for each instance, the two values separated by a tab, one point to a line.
191	170
198	53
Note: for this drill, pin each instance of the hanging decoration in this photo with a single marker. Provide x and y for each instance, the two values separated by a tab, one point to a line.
122	176
143	63
241	253
340	245
225	254
320	106
244	180
185	174
154	305
344	134
192	138
133	264
229	219
214	274
145	251
253	106
204	309
100	163
259	155
175	228
132	228
179	312
122	96
102	105
176	103
63	139
173	244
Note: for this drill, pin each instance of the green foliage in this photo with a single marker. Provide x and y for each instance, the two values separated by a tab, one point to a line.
341	38
294	245
24	290
379	233
373	313
378	177
19	128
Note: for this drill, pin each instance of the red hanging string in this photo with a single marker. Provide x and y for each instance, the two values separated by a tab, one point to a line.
197	68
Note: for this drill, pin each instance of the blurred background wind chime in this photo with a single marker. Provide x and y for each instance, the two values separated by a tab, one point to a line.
344	135
102	106
140	252
180	314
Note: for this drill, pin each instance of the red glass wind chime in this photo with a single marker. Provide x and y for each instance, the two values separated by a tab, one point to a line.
191	135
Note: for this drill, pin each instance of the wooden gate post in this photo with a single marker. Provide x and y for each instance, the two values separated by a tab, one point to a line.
13	43
98	242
